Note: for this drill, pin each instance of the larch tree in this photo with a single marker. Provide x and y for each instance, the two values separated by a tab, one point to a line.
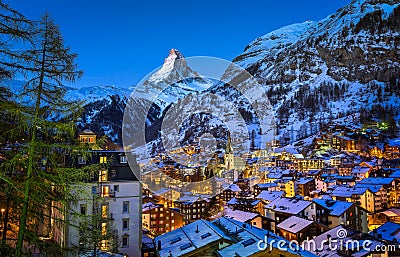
15	29
49	122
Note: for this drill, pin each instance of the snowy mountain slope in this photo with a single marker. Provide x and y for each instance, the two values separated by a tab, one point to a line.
94	93
314	72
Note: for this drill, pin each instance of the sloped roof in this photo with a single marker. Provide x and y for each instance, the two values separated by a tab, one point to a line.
288	205
294	224
336	208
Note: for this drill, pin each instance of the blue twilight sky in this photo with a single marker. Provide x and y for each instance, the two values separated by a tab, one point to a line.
120	41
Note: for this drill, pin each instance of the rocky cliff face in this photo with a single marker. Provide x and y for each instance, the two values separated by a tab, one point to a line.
315	72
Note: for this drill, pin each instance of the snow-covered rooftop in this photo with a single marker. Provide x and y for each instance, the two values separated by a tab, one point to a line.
238	215
269	196
336	208
303	181
188	238
294	224
377	181
343	191
288	205
149	206
233	188
388	231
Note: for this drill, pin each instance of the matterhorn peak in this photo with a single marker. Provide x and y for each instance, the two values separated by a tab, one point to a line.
169	65
173	55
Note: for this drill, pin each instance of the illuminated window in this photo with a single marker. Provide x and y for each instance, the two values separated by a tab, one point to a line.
103	175
105	191
103	228
104	245
103	159
104	211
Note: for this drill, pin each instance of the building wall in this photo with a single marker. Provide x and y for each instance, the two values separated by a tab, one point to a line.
162	220
129	192
290	188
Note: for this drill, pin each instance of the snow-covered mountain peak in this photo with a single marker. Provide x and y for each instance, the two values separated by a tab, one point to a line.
174	54
173	80
170	63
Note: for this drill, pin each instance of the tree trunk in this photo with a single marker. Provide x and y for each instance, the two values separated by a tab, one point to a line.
31	152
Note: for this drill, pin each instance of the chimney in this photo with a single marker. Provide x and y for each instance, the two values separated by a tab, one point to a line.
197	229
159	245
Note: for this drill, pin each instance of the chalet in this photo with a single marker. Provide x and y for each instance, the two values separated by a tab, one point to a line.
265	187
269	196
345	180
323	184
148	248
230	192
392	215
391	185
282	208
343	143
159	219
360	195
299	229
314	173
340	159
361	172
345	169
251	218
290	187
191	207
379	197
305	186
392	149
344	213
